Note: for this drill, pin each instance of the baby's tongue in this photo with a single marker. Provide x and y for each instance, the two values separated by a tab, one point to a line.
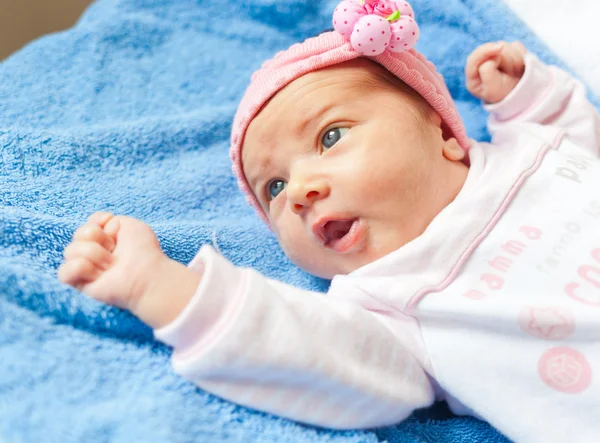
336	229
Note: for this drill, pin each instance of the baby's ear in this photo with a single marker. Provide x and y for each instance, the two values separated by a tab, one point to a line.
451	150
441	124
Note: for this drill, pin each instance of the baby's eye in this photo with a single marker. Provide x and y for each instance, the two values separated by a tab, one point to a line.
274	187
333	136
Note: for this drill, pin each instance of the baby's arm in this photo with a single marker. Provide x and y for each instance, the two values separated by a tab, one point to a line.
519	88
295	353
252	340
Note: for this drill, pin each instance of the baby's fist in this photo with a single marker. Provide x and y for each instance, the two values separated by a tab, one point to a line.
494	69
111	259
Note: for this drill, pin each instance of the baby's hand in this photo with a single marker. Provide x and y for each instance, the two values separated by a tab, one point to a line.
112	259
494	69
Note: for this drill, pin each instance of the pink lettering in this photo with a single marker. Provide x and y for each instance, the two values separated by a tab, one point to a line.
570	291
514	247
584	272
493	281
531	232
501	264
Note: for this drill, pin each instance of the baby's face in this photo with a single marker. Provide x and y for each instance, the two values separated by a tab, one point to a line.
348	167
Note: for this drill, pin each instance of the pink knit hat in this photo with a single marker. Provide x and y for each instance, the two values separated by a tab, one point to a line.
344	44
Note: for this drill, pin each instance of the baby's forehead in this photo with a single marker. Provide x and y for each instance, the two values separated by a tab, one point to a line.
359	71
304	99
352	75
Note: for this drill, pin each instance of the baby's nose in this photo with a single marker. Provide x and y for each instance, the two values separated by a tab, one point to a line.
303	193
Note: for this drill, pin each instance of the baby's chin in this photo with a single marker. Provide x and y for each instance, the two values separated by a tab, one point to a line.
321	273
327	267
319	265
328	264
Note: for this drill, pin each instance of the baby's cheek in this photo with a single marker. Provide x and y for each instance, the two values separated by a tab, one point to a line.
293	242
277	207
287	233
298	246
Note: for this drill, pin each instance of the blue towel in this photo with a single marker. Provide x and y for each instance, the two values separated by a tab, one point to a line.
130	111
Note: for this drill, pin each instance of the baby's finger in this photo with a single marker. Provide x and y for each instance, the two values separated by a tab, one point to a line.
519	47
100	218
91	232
91	250
490	78
77	272
512	60
112	228
479	56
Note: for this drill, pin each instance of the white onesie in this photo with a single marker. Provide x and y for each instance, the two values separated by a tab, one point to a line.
495	308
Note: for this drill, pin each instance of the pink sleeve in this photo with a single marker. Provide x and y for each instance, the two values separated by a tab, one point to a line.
291	352
549	96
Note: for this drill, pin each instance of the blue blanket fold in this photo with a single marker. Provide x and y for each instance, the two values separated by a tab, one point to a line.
130	111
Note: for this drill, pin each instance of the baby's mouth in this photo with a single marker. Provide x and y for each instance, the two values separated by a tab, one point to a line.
339	235
336	230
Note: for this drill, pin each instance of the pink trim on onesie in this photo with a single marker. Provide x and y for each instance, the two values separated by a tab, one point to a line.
488	228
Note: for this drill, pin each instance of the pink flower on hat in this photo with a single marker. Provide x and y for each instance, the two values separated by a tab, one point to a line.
383	8
374	26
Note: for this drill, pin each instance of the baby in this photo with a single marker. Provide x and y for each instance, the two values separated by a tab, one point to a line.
461	271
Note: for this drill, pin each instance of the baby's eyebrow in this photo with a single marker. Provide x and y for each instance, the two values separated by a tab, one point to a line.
306	120
253	178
